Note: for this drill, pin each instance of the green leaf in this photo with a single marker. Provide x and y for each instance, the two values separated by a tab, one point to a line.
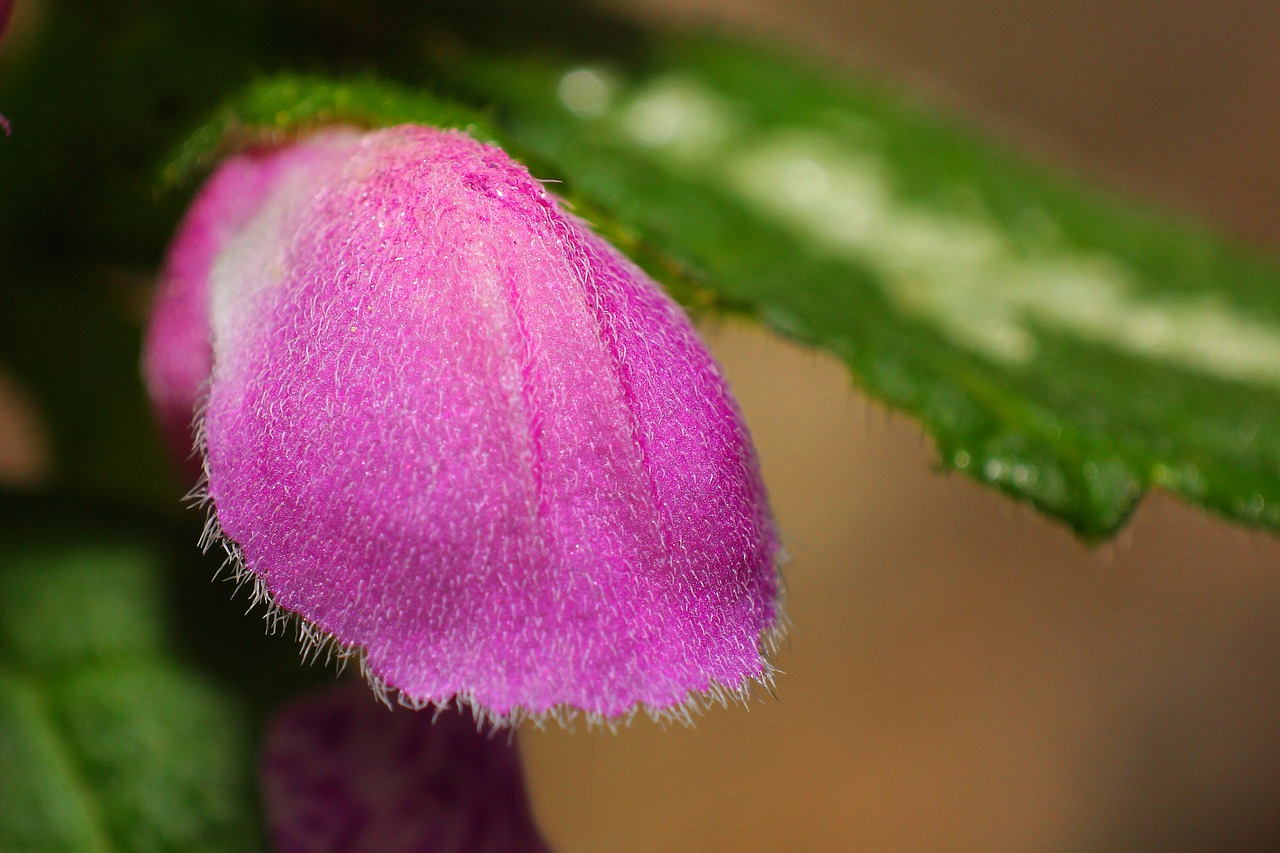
130	707
1066	348
274	109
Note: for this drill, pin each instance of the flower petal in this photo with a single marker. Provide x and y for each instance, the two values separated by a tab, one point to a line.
178	355
452	427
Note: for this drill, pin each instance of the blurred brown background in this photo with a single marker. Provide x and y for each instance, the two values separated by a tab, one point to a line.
961	674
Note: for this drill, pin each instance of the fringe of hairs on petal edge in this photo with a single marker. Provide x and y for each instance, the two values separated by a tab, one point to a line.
315	641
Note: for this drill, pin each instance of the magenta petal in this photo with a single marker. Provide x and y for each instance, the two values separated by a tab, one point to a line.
340	772
452	427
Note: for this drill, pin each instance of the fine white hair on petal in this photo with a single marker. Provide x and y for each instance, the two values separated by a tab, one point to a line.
454	435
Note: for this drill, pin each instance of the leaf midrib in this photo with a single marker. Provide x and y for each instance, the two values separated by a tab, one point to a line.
70	763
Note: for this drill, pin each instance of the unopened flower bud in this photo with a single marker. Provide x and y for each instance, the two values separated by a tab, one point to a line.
339	772
452	428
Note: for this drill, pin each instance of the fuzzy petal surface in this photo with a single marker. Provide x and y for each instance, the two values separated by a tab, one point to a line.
449	425
178	354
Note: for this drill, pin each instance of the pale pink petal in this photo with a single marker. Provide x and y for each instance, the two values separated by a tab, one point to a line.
178	354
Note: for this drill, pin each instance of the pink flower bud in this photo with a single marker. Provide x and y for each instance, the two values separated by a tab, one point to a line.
454	429
341	772
6	6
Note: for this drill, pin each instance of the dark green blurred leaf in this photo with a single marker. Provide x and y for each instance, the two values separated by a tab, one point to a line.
1066	348
97	94
100	96
74	343
131	691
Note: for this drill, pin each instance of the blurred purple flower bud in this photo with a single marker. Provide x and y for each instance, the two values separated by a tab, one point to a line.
341	772
6	6
454	429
